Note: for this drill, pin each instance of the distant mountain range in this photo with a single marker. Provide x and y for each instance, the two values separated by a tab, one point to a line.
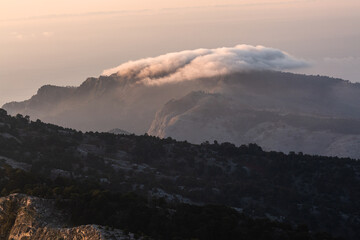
277	110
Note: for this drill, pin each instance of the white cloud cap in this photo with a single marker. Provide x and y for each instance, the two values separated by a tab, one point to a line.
200	63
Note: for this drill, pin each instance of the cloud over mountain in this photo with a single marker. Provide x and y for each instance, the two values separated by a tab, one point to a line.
215	94
203	63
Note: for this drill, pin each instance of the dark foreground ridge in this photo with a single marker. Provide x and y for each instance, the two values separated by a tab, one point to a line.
166	189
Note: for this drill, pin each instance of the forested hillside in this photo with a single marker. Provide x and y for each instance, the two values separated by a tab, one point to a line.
167	189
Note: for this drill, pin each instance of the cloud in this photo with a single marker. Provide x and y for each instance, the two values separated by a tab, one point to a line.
31	36
48	34
21	36
17	35
202	63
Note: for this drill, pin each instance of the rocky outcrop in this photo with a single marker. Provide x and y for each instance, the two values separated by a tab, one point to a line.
24	217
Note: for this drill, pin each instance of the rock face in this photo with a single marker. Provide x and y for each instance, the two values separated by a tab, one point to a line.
200	117
25	217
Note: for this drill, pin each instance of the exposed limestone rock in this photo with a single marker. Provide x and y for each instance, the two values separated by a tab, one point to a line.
25	218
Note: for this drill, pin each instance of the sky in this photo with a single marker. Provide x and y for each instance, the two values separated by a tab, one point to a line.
64	42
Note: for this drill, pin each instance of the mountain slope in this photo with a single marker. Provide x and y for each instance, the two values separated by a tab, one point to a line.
98	104
200	117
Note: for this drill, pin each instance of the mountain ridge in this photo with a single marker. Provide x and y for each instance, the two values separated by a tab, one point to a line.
115	101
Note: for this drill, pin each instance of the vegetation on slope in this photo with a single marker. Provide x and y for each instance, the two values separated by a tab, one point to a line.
91	174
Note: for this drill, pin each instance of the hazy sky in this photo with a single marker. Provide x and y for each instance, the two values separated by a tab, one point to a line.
64	42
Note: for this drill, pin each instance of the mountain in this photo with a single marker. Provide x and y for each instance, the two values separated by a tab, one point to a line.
98	104
277	110
167	189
